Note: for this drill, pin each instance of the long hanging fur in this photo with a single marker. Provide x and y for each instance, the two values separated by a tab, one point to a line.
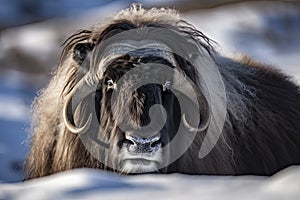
261	133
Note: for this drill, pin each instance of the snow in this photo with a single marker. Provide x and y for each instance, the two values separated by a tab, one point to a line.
244	29
96	184
15	100
269	34
20	12
13	109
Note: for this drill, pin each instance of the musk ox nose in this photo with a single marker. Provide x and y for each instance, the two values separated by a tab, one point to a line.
147	96
137	144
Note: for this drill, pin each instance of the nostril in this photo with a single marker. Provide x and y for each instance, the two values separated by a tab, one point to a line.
145	144
154	144
129	141
156	140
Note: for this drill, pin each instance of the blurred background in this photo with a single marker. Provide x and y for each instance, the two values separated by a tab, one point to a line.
31	34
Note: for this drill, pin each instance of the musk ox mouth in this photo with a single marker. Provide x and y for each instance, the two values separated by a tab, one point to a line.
141	161
140	155
140	164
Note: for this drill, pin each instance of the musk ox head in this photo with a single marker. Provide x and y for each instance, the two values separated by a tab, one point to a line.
128	96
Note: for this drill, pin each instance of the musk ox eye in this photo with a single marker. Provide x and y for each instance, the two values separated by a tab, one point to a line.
111	84
166	86
81	51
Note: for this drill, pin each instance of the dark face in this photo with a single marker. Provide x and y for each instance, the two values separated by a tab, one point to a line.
137	145
139	115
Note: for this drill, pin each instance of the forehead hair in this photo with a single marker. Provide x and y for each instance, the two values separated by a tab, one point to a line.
131	18
122	64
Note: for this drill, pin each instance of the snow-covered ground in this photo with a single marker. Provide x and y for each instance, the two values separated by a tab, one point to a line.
270	33
95	184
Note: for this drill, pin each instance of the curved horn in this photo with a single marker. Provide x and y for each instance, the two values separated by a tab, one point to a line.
203	126
82	89
205	111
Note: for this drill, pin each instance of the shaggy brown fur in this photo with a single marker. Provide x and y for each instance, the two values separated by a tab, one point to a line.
261	133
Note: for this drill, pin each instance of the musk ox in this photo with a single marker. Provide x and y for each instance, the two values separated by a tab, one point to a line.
145	92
